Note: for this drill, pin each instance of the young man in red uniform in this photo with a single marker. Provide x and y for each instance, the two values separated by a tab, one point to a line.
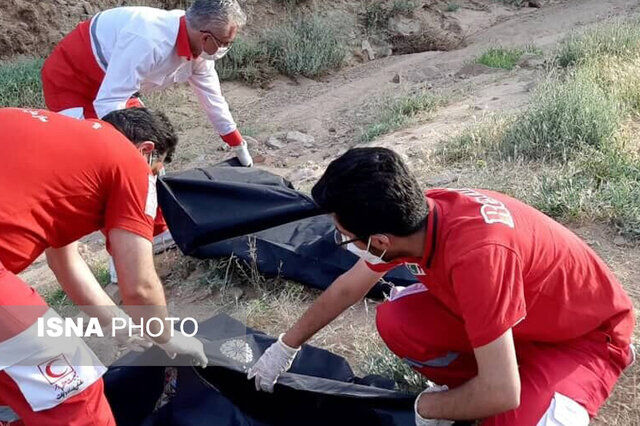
515	318
64	178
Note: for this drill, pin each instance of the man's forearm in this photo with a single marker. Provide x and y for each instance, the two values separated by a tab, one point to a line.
79	283
473	400
335	300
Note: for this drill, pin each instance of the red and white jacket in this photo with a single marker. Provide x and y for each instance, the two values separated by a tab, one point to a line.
139	49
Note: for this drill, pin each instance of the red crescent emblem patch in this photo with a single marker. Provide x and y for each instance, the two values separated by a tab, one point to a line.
55	369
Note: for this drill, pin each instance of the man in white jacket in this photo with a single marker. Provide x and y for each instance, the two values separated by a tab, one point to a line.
106	61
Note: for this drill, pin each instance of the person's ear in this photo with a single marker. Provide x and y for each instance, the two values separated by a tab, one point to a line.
146	147
381	242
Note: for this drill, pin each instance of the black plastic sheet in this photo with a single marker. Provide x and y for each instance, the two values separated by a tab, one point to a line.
319	389
257	216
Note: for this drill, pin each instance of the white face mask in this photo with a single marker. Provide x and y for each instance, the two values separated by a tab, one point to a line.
216	56
366	254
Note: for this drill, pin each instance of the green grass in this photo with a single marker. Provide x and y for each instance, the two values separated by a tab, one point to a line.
505	57
247	61
577	136
381	361
452	7
619	39
564	117
396	113
57	299
304	45
600	186
20	84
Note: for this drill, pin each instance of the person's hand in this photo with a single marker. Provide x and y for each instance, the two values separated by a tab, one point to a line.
274	361
180	344
421	421
242	152
121	333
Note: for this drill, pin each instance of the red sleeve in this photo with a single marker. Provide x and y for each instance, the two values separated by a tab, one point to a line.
489	288
232	139
132	202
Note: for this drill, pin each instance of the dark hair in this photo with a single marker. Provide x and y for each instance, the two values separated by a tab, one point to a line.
143	124
371	191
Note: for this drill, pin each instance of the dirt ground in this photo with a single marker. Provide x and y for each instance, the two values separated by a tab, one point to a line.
335	108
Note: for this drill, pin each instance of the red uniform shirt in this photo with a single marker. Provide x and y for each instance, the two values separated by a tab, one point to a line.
498	263
63	178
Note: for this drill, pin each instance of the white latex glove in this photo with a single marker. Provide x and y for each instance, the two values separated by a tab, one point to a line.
421	421
242	152
274	361
180	344
132	342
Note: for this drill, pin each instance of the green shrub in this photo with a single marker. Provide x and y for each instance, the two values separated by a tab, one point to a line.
574	133
247	61
377	13
564	117
306	45
20	84
303	45
600	185
620	39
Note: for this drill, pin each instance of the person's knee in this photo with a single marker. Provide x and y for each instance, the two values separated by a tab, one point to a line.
557	410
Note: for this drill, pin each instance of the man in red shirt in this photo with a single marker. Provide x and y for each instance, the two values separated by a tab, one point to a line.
514	317
62	179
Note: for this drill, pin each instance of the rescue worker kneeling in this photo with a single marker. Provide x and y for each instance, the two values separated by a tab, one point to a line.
514	317
62	179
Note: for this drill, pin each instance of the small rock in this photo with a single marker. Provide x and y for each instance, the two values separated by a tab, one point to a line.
366	48
396	78
332	130
478	107
442	180
619	241
300	137
274	143
535	3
